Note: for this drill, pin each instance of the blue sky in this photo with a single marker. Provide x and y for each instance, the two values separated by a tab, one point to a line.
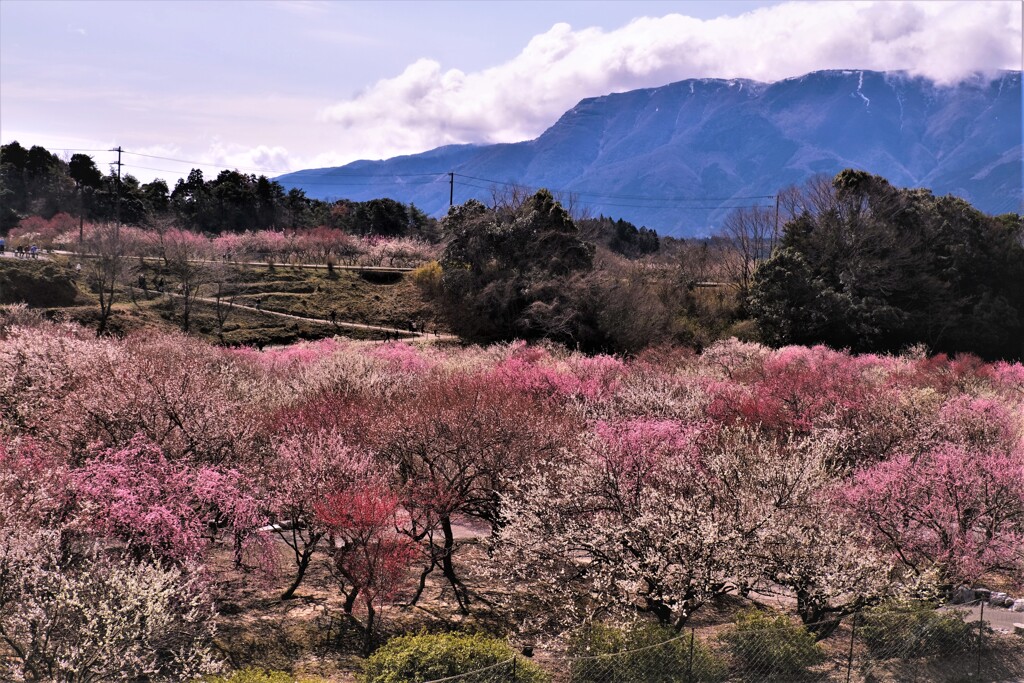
296	84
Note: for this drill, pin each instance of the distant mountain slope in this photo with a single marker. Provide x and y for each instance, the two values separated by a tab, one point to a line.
701	146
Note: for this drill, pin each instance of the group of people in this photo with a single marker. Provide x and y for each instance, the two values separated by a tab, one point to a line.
158	284
20	251
27	252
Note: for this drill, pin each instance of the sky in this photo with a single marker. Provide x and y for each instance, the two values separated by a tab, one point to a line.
275	86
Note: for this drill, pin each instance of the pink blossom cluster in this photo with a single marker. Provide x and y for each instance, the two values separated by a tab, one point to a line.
43	232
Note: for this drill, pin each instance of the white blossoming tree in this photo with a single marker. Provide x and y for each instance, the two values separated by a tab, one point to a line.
649	516
98	618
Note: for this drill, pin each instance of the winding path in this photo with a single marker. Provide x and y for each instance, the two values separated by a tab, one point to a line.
339	324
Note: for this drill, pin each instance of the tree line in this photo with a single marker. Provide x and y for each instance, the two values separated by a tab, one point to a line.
36	182
851	261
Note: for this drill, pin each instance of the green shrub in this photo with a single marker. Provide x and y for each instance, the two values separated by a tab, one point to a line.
428	278
744	330
915	630
642	654
427	657
772	645
251	675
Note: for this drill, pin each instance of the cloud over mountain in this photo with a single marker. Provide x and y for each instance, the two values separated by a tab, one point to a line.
427	105
679	157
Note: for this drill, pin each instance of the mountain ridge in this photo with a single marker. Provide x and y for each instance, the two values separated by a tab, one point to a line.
704	146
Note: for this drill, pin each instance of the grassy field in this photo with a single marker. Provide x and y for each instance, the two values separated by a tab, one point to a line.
377	299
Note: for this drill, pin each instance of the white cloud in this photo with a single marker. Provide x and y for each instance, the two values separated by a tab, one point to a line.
303	7
260	159
426	106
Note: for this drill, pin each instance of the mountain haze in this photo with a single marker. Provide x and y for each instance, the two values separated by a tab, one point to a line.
678	157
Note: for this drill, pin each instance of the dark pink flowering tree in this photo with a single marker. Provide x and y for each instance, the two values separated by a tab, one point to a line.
797	389
455	441
371	554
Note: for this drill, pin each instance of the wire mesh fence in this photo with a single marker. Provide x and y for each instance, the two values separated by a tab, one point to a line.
873	646
507	670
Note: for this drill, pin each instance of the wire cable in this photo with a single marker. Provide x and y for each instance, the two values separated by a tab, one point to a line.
329	183
273	170
595	198
621	196
694	207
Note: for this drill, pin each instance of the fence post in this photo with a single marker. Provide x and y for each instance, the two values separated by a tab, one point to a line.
689	661
515	658
981	633
849	656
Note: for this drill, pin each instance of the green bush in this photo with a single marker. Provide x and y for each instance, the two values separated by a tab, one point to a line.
428	278
251	675
427	657
772	645
642	654
915	630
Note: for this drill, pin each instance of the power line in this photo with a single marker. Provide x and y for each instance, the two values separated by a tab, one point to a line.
694	207
72	149
677	202
383	175
273	170
148	168
370	184
332	180
202	163
315	182
621	196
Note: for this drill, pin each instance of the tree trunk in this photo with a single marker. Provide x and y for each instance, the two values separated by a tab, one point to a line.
461	595
371	623
302	558
303	564
423	581
813	613
350	601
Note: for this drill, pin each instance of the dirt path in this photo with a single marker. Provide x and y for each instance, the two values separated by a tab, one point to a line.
996	617
339	324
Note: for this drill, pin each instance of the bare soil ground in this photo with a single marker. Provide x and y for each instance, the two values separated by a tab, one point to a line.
310	635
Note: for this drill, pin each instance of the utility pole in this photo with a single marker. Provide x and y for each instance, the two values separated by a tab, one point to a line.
117	206
451	188
775	234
